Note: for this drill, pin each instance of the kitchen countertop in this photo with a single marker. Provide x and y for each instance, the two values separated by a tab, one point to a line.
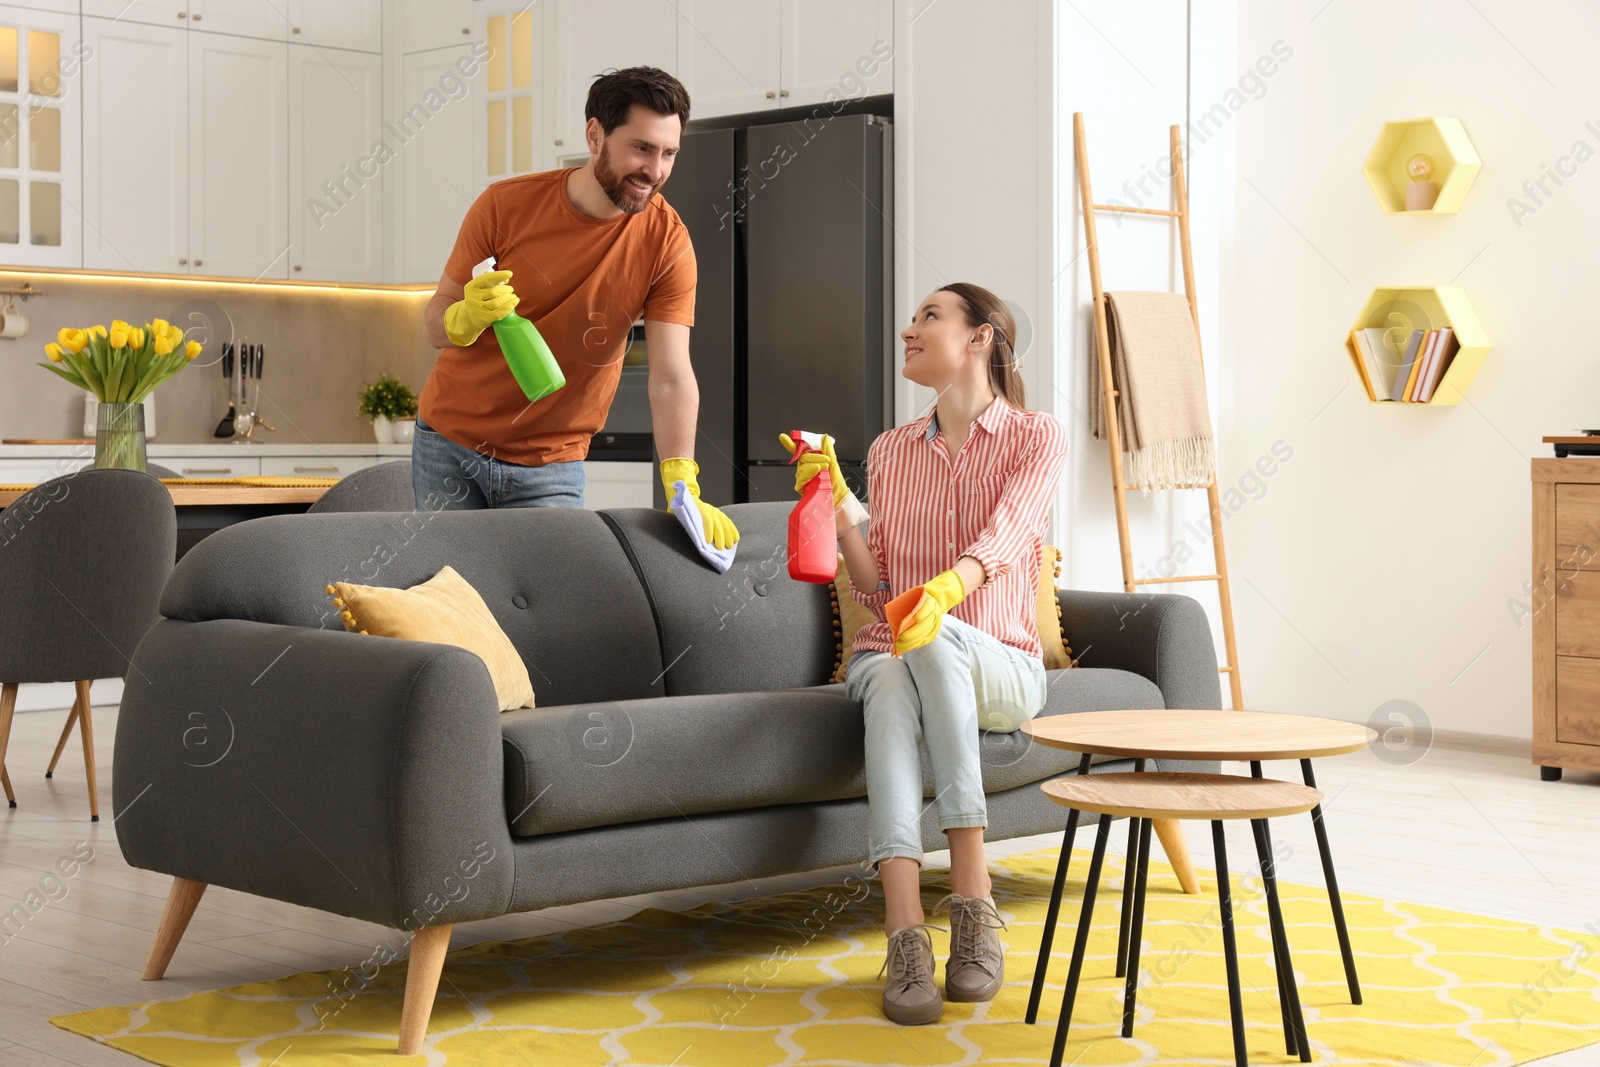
158	450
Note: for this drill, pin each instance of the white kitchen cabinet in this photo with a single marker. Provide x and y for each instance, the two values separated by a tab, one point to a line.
41	142
136	109
512	104
611	484
239	166
221	465
838	46
590	38
356	25
739	56
426	24
150	12
435	165
316	466
263	19
728	55
335	176
64	7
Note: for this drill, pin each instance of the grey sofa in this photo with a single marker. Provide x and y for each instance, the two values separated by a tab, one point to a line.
683	734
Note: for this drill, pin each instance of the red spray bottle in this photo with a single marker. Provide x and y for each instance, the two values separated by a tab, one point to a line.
813	540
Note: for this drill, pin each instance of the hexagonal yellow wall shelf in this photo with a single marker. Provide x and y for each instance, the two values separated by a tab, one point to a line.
1432	308
1455	163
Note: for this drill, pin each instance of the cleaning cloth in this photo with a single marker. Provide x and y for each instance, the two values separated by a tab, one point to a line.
687	509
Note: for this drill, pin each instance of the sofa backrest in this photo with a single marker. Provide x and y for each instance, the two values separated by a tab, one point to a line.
753	628
556	579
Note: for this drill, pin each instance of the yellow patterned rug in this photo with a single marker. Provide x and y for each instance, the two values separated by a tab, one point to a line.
791	980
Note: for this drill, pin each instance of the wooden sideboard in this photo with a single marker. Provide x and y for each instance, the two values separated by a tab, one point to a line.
1566	614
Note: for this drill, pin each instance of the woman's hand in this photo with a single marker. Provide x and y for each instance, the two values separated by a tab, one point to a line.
809	465
914	616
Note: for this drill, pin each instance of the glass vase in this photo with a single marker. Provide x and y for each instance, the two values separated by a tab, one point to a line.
119	437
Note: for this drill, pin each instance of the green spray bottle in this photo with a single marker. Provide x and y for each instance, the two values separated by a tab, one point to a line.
532	363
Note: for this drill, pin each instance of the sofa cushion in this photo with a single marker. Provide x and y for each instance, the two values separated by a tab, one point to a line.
752	629
574	767
555	579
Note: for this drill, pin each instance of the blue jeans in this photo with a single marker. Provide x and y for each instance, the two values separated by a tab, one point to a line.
446	476
962	684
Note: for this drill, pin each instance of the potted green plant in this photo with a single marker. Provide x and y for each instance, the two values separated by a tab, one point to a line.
387	401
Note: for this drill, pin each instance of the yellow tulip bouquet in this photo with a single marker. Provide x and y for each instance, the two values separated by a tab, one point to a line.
123	364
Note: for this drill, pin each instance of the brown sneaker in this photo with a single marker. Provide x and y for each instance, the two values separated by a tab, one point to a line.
977	965
910	996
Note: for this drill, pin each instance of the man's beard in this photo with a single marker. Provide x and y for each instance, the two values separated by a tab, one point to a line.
617	190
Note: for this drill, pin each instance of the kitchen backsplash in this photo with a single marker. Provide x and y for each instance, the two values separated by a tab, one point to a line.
321	346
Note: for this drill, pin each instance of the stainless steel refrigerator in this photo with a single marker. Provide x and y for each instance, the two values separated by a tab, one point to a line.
791	230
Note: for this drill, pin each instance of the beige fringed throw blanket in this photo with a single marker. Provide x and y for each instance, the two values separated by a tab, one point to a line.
1162	418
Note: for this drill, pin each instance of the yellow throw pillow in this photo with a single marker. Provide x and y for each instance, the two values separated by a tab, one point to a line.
444	609
849	617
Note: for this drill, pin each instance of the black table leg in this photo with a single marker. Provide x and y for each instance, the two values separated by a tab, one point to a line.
1081	943
1128	870
1230	947
1275	913
1289	1046
1136	932
1333	889
1062	861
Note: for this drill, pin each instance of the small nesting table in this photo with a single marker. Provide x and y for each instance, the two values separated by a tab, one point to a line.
1145	796
1195	734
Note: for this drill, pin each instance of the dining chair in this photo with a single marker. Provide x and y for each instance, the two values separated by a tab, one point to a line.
384	487
83	559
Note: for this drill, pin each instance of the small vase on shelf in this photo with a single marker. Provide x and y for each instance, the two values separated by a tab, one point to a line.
119	436
383	429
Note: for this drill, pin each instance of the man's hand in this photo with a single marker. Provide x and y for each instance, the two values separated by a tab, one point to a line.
486	300
719	528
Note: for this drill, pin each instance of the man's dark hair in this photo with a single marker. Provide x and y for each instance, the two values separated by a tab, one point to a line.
613	94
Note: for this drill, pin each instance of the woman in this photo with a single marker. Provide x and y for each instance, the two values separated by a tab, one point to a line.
959	503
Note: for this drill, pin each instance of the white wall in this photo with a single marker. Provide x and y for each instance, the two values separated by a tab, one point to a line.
1384	560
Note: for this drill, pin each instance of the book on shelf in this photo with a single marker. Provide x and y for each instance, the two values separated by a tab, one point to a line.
1424	354
1352	345
1444	350
1408	360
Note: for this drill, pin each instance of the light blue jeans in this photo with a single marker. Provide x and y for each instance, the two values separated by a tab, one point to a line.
953	694
449	477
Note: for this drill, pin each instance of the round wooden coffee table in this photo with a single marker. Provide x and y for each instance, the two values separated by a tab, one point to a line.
1196	734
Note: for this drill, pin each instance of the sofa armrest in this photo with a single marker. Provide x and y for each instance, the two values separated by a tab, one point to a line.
1164	637
360	775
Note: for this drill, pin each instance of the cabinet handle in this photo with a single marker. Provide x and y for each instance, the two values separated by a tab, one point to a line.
771	94
197	262
466	29
196	18
207	470
297	266
183	14
183	262
559	142
315	470
295	30
781	92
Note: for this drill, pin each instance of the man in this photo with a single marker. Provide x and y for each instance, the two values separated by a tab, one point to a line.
590	248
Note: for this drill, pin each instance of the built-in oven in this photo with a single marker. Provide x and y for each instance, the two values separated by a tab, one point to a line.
627	433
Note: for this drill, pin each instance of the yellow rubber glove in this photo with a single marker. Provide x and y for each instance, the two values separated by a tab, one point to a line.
922	609
487	300
719	528
807	466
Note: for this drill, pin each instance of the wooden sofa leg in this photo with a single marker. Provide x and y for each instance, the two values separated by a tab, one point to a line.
1176	847
181	901
66	732
8	705
428	948
86	732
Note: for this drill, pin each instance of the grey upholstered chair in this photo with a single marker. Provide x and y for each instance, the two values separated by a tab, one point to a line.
82	562
385	487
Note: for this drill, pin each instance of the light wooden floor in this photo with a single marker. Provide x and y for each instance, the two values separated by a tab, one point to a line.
1458	829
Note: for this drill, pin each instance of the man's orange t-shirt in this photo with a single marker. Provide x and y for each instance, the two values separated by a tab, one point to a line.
583	282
